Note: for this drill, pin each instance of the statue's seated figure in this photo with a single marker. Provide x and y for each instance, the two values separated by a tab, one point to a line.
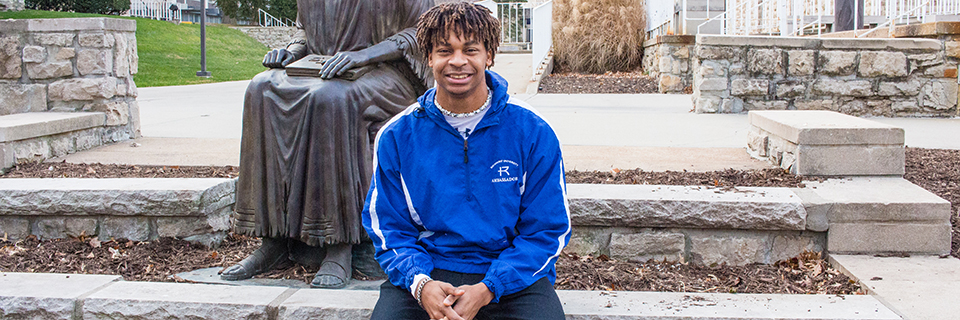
305	156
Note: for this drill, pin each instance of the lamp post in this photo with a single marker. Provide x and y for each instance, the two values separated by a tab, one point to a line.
203	42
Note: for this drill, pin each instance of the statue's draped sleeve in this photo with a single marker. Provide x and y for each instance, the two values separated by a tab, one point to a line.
406	40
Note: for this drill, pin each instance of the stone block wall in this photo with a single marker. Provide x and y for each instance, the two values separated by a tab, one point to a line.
874	77
668	59
272	37
701	246
70	65
140	209
11	5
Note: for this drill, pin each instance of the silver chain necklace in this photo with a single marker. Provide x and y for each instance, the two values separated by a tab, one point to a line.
465	114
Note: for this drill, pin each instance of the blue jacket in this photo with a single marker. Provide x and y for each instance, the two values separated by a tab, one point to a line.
494	203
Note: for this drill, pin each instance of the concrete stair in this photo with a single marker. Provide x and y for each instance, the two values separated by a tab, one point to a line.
44	135
881	215
136	208
60	296
876	211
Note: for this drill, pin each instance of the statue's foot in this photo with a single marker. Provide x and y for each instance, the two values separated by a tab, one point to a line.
270	254
335	269
331	276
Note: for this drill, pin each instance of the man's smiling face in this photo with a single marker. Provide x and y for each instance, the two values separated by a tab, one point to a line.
458	66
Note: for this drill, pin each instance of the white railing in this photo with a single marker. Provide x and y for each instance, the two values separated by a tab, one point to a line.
542	35
660	18
708	14
156	10
265	19
797	17
919	12
514	23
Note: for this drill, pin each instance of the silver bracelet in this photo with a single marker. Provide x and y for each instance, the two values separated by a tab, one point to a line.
420	290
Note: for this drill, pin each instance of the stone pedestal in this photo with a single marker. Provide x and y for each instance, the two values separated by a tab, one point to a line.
826	143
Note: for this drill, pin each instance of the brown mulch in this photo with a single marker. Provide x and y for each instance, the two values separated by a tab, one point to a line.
807	273
938	171
160	260
610	82
772	177
97	170
157	260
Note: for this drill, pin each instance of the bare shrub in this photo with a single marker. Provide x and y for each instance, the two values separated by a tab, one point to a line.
596	36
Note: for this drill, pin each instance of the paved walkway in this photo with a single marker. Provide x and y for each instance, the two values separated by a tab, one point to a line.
200	125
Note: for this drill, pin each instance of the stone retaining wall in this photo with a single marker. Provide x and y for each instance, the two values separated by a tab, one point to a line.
701	246
11	5
876	77
136	209
70	65
668	59
272	37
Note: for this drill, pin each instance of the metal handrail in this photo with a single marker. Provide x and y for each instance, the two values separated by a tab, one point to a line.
890	21
723	26
684	17
271	21
658	29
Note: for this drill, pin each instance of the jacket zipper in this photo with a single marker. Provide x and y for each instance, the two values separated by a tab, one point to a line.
466	164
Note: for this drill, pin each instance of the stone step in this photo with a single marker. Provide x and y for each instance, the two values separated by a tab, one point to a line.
22	135
132	208
55	296
878	214
685	206
823	143
703	225
38	124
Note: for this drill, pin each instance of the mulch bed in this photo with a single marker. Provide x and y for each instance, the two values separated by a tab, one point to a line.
97	170
610	82
726	178
807	273
938	171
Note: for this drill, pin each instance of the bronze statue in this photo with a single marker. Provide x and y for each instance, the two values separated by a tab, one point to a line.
305	156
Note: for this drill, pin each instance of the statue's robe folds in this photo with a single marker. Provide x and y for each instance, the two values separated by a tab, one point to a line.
305	156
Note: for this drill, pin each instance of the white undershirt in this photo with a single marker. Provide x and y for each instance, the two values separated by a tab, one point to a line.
465	125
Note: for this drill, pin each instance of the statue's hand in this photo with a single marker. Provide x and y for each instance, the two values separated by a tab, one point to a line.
341	62
278	58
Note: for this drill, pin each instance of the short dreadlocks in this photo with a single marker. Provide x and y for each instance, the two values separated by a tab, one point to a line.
463	19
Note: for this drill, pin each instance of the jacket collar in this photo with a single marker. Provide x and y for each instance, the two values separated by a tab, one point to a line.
495	83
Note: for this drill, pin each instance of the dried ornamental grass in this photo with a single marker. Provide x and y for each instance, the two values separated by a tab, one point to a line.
596	36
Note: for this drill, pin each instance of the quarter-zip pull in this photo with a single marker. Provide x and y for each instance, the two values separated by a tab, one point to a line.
466	134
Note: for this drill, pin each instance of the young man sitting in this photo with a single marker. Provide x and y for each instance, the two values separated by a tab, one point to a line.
467	206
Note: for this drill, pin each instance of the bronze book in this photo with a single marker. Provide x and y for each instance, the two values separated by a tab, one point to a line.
311	65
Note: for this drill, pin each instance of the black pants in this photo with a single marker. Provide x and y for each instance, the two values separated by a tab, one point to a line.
538	301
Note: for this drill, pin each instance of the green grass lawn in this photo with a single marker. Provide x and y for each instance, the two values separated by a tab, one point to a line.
170	53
